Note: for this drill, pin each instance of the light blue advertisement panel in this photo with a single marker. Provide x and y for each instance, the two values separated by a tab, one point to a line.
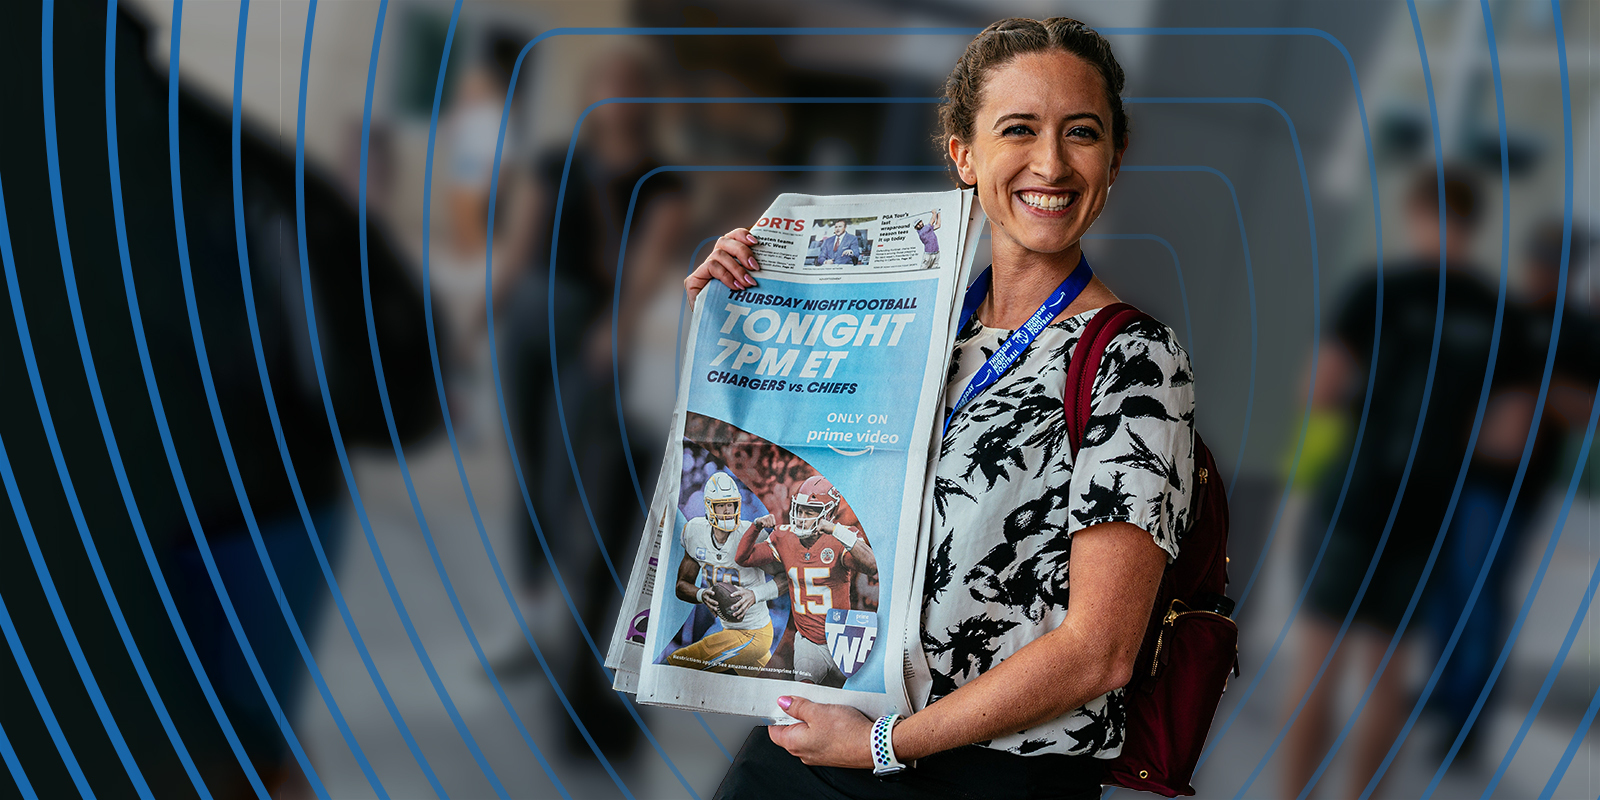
790	382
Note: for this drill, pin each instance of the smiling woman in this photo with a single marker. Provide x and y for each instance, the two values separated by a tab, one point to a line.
1018	693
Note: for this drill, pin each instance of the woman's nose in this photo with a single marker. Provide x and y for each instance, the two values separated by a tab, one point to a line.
1050	160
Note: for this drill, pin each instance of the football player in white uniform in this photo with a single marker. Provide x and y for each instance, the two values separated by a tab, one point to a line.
737	595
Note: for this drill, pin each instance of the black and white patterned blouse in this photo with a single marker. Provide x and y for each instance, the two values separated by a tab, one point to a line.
1008	496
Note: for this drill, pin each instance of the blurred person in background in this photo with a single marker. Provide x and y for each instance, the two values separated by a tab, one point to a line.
459	257
288	512
1385	464
1519	370
602	192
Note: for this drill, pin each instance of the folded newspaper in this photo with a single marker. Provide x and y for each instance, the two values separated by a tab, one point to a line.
779	556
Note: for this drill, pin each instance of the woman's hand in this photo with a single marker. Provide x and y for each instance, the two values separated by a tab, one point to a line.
827	735
730	261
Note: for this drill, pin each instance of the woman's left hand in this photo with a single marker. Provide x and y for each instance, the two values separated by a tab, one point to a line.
827	735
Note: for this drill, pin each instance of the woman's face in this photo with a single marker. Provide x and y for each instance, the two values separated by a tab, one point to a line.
1041	154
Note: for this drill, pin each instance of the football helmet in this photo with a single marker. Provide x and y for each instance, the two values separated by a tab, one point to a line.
722	502
815	500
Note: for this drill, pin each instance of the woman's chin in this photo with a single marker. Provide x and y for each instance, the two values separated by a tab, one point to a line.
1052	242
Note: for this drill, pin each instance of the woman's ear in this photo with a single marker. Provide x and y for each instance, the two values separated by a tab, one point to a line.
961	154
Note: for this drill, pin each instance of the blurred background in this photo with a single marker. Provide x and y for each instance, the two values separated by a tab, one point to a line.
439	428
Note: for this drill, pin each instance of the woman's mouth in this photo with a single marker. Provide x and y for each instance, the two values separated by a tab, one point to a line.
1047	203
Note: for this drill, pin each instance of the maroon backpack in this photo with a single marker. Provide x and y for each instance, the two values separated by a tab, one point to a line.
1190	644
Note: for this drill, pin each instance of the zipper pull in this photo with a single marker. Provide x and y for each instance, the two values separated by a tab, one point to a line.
1166	623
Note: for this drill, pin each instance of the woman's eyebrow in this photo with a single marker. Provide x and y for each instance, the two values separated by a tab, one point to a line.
1031	117
1022	115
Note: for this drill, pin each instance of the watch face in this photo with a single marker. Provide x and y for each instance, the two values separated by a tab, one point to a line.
889	773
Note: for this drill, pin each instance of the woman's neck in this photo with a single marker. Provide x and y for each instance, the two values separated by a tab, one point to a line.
1020	281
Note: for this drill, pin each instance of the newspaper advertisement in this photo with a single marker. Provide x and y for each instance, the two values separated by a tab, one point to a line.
778	554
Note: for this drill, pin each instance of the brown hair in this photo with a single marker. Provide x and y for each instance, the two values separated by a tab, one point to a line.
1005	40
1460	193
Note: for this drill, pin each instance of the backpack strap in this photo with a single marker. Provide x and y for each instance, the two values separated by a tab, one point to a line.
1077	397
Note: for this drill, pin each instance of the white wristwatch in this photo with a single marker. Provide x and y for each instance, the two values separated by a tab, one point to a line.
884	764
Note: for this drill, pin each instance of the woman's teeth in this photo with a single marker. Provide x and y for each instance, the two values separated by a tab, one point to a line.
1047	202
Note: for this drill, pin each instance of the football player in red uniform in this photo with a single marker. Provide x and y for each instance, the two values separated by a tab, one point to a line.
821	559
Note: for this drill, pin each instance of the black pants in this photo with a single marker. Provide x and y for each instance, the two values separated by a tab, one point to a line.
765	771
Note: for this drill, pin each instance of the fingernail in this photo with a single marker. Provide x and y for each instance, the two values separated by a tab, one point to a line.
751	239
754	265
785	702
749	281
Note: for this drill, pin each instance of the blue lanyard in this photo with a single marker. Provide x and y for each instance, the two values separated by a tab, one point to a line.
1017	343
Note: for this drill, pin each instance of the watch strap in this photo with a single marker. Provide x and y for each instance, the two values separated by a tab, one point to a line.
884	763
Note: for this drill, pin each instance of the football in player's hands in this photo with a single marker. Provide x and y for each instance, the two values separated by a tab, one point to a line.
725	595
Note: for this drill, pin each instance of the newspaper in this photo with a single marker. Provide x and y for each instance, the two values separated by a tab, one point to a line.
778	557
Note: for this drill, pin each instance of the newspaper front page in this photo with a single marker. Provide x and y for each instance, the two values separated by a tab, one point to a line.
778	556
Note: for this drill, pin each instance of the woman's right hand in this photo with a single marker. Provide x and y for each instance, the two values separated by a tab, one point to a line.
731	260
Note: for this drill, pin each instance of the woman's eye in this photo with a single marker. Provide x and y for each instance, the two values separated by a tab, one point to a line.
1084	132
1017	130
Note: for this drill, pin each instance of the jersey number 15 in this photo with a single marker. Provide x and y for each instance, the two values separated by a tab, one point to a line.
818	598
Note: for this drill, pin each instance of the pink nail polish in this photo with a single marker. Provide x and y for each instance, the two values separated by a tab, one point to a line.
751	238
785	702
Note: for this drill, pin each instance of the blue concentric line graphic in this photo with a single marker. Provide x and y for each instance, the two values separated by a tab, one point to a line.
1444	526
1421	420
333	423
1366	403
1538	412
1177	270
499	148
1505	263
1249	271
14	642
18	775
1372	784
53	164
114	165
90	685
236	159
617	492
1578	617
214	407
628	221
1566	255
383	392
1316	312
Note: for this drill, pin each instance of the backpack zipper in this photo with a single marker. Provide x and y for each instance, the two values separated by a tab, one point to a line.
1166	624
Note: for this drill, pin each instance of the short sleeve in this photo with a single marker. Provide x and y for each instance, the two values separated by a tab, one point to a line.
1136	461
1356	317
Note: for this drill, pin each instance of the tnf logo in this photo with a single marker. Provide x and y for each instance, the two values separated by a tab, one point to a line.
850	637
